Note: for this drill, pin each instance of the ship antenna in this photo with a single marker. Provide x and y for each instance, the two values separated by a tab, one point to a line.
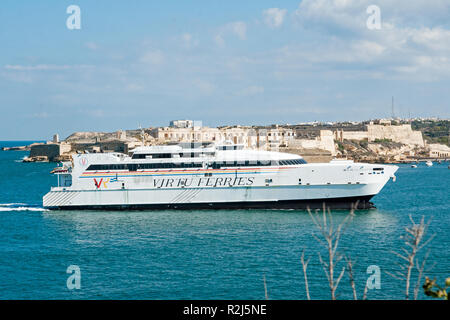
393	114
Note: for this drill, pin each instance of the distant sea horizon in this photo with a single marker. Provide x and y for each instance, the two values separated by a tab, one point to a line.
17	143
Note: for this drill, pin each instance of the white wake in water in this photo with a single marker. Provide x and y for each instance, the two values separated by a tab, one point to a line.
20	207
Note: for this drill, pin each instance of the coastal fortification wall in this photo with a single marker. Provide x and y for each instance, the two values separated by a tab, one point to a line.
351	135
402	133
104	146
51	151
325	141
310	155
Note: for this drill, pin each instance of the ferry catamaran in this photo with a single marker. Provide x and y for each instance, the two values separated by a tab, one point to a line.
212	176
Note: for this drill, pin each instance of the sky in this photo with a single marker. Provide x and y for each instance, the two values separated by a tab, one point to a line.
256	62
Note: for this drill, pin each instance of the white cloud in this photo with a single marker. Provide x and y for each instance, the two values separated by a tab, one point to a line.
367	50
251	91
237	28
41	115
402	46
274	17
218	39
187	37
333	15
31	73
432	38
351	15
133	87
205	87
154	57
188	40
91	45
19	77
44	67
94	113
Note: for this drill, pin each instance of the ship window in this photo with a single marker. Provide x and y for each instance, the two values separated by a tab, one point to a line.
153	155
247	163
97	167
292	162
142	166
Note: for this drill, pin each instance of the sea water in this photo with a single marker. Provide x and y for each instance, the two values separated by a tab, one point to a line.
207	254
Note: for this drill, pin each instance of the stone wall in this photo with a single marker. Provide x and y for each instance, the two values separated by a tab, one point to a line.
65	148
310	155
439	151
351	135
115	146
325	141
402	133
51	150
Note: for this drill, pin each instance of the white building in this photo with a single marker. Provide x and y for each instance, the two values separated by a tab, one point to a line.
181	124
250	137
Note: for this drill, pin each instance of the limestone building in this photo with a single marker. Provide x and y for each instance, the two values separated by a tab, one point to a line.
251	137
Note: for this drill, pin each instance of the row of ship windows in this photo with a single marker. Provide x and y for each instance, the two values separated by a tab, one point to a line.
214	165
170	155
261	163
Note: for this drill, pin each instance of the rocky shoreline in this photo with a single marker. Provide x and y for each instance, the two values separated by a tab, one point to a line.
19	148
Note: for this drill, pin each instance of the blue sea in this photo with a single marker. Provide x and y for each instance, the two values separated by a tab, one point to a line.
206	254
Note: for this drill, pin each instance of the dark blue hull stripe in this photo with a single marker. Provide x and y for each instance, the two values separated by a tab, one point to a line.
333	203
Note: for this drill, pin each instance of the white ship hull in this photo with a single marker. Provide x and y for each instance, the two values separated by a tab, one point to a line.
338	185
312	197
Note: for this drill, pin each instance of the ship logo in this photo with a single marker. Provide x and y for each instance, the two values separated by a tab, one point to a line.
83	161
98	184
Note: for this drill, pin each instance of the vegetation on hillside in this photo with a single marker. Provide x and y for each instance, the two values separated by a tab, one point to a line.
433	131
